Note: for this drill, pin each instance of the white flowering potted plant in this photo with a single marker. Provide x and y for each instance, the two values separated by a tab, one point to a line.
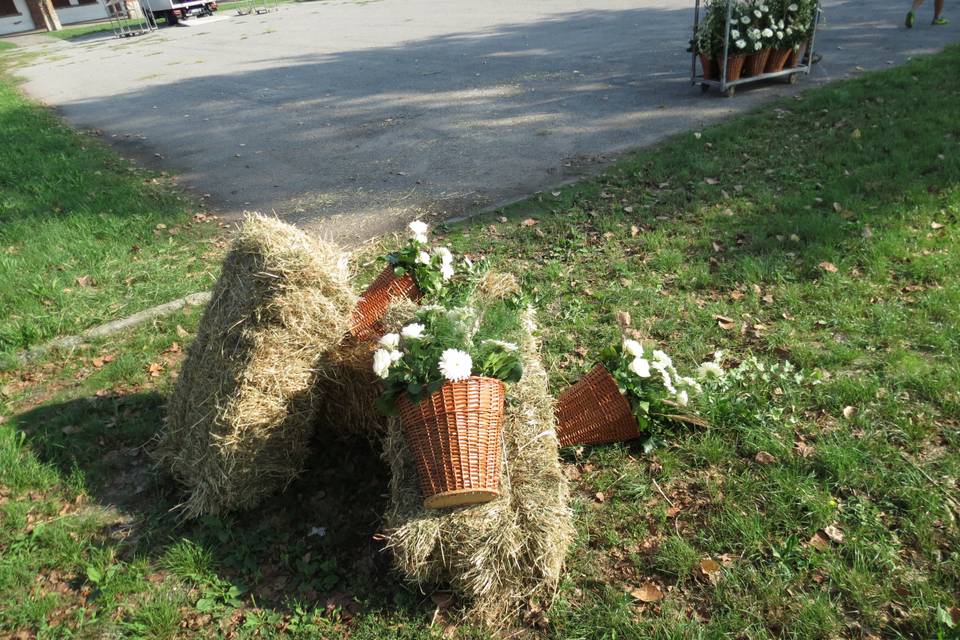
739	46
444	374
629	394
760	37
798	18
414	271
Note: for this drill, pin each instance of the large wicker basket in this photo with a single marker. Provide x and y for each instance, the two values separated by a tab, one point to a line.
454	437
365	323
593	411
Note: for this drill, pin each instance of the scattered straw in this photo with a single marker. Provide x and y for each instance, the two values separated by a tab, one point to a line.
241	415
505	553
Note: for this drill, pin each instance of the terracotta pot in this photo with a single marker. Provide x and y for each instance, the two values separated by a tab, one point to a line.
454	438
777	60
711	70
756	63
593	411
365	323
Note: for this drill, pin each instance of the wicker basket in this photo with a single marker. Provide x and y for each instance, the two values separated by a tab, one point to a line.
711	70
454	437
734	67
796	55
365	323
756	63
777	60
593	411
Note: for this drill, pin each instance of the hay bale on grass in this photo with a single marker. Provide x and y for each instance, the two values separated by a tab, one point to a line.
503	553
241	415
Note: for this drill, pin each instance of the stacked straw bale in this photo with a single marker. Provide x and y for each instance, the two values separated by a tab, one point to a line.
242	412
504	553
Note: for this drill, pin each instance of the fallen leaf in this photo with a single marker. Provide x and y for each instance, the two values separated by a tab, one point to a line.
856	134
530	222
67	430
154	369
672	512
628	209
442	600
803	449
764	458
867	232
599	497
711	181
849	412
834	533
555	194
648	593
819	541
710	568
85	281
183	333
837	207
724	322
634	231
828	266
936	225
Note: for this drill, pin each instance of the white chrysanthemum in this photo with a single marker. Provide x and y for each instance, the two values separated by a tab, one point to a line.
667	382
413	331
419	230
683	398
446	270
423	257
767	33
390	341
382	362
792	7
661	357
445	256
455	365
758	13
506	346
710	371
734	33
741	44
640	367
633	347
745	19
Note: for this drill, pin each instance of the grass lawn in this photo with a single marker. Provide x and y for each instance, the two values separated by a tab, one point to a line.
85	237
6	46
822	230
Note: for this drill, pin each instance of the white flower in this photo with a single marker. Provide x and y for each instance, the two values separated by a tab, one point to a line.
789	31
741	44
395	355
758	45
423	257
445	256
792	7
506	346
446	270
455	365
382	362
780	35
734	33
390	341
633	347
640	367
767	33
419	230
780	24
745	19
758	13
764	8
413	331
666	381
662	358
683	398
709	371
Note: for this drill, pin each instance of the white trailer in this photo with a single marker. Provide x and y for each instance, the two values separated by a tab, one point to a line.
173	11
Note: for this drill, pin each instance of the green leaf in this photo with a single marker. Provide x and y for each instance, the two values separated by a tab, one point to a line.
94	575
206	604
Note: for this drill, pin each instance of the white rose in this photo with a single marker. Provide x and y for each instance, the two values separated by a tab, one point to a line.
419	230
382	362
633	347
640	367
455	365
390	340
413	331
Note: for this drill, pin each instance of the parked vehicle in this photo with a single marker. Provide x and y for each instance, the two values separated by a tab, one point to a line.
173	11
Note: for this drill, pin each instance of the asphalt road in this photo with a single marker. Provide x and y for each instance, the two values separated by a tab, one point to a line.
351	118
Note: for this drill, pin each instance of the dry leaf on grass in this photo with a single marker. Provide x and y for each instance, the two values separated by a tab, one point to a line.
154	369
833	533
849	412
530	222
828	267
710	568
936	225
819	541
648	593
764	458
85	281
724	322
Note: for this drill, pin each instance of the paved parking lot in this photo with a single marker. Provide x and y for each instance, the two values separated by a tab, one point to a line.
350	117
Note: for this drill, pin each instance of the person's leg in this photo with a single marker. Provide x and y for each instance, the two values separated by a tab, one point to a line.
938	13
911	17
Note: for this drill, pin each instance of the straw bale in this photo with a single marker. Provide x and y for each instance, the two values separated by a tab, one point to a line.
503	554
242	412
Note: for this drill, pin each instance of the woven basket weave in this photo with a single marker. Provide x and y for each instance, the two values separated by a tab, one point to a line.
454	437
365	323
593	411
777	60
756	63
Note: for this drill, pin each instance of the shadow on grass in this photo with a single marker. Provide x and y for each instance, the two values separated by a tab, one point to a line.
314	544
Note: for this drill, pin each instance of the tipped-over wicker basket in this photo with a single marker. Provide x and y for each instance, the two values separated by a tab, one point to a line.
365	323
454	438
593	411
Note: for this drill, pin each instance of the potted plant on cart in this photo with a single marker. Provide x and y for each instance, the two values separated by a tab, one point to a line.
708	41
627	394
444	375
798	27
780	51
414	271
760	37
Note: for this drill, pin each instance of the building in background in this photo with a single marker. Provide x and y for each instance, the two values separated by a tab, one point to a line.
47	15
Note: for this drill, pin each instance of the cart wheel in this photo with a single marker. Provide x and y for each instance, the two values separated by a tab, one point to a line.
730	92
704	88
792	78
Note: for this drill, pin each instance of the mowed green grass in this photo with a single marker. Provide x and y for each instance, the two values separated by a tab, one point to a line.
85	236
821	230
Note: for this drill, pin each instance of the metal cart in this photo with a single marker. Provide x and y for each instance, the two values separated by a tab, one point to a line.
730	87
259	7
130	18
